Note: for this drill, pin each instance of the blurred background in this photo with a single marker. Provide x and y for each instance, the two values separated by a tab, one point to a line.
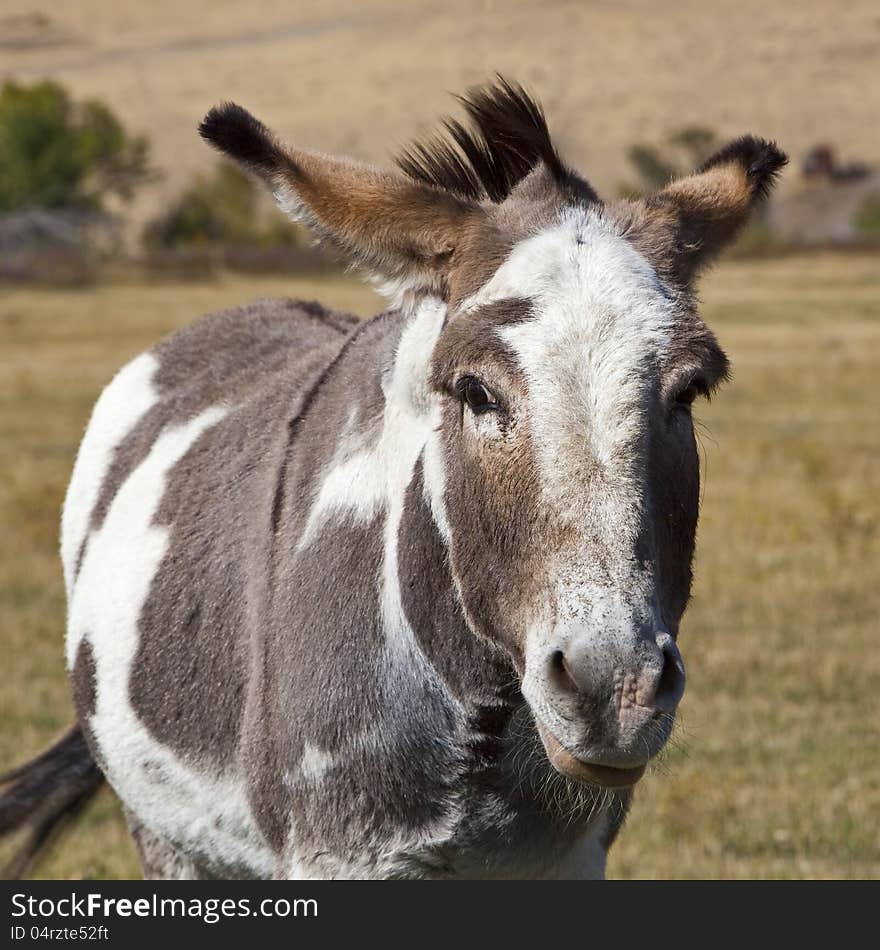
118	225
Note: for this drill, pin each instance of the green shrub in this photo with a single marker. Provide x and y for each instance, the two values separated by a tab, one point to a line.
223	208
685	149
55	153
652	170
867	220
755	239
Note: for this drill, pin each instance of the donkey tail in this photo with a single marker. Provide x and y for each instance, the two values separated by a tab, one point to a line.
44	795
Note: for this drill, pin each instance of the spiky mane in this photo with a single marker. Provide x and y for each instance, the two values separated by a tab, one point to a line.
508	138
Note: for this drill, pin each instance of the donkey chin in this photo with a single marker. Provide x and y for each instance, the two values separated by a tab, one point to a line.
601	721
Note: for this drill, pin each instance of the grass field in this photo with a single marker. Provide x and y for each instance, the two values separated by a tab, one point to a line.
776	769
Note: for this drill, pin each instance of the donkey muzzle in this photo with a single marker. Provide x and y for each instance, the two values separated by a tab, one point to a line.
602	715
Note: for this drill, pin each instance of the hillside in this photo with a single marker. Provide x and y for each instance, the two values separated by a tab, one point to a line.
362	78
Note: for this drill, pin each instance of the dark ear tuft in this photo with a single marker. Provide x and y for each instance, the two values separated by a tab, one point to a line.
759	159
235	132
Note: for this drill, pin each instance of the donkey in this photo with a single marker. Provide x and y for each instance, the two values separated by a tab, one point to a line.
399	598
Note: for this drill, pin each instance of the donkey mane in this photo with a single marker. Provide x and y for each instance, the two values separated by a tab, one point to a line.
508	139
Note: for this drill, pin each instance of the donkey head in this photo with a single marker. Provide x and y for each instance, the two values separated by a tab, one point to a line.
555	388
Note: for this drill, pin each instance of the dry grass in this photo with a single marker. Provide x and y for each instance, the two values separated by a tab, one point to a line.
779	774
361	78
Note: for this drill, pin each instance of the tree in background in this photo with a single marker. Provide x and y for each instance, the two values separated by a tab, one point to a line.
685	149
223	208
56	154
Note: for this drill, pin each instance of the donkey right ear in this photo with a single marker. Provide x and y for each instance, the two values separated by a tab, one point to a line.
402	229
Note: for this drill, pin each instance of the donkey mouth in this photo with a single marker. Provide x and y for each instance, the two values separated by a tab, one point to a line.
589	773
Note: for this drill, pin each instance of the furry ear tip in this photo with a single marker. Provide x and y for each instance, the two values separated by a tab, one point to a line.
760	159
766	159
232	130
222	120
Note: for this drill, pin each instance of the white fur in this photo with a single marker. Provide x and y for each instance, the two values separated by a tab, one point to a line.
402	293
589	358
434	474
290	202
369	480
121	405
601	315
375	476
175	799
314	765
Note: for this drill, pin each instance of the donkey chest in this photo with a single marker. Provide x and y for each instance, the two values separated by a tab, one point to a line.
509	834
487	852
381	819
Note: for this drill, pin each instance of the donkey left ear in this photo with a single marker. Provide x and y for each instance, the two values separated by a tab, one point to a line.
703	212
404	230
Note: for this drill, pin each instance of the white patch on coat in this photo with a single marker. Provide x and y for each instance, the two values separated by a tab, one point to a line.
589	354
122	404
314	765
370	478
411	416
204	815
434	475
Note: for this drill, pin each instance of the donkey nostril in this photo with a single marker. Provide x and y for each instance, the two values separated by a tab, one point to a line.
670	685
561	673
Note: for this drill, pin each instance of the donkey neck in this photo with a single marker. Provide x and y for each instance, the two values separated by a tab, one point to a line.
366	457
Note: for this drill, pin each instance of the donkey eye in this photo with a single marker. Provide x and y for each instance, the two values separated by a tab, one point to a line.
696	387
475	394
